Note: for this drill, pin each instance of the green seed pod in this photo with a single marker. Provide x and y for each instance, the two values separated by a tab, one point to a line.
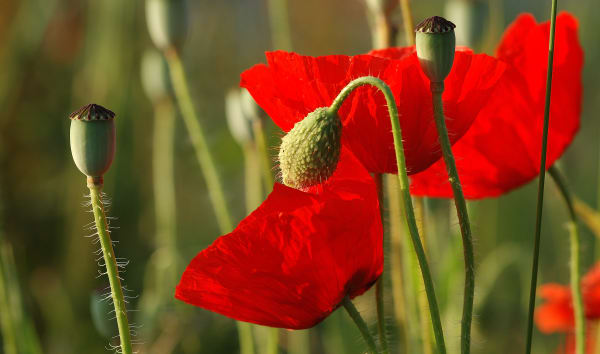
155	76
435	47
309	153
167	23
93	139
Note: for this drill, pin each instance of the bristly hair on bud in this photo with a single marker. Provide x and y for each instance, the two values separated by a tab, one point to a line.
91	112
310	151
435	43
435	24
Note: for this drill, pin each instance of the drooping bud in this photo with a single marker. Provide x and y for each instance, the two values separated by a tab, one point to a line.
93	140
155	76
436	42
309	153
240	113
167	23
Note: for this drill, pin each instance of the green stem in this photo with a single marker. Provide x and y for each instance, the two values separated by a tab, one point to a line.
7	323
164	195
463	216
213	182
419	203
409	26
280	29
110	261
542	177
379	286
405	193
263	153
360	323
575	260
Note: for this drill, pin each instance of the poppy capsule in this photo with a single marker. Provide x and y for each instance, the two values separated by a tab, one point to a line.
93	139
167	23
435	43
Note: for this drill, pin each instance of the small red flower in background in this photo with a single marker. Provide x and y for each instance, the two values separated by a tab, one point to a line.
290	86
556	314
501	150
291	262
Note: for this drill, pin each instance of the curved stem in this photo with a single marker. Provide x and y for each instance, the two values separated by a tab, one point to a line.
111	265
360	323
575	261
409	212
542	177
213	182
409	26
463	216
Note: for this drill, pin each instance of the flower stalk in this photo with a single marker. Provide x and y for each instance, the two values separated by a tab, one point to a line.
360	323
541	181
409	212
575	264
112	271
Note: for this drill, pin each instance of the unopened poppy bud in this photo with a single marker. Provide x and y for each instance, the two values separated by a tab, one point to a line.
155	76
93	139
436	42
167	23
309	153
238	119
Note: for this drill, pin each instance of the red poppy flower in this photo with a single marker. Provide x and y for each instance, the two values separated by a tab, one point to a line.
501	150
556	314
292	261
290	86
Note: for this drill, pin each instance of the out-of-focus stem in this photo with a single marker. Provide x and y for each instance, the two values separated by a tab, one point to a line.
263	154
542	178
111	265
9	332
422	299
280	29
575	260
407	20
164	194
379	286
213	181
360	323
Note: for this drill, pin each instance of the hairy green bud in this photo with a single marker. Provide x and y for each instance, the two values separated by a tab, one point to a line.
436	42
93	139
167	23
309	153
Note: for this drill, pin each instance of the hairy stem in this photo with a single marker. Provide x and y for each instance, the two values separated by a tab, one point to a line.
110	261
575	260
360	323
192	123
463	216
542	178
409	212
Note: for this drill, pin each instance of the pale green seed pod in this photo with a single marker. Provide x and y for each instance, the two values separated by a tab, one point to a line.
309	153
93	139
470	18
436	42
155	76
167	23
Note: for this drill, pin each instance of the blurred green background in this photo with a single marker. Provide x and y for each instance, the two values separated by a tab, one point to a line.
56	55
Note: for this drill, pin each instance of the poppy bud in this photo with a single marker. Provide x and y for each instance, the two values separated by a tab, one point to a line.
241	112
310	151
435	47
167	22
155	76
93	139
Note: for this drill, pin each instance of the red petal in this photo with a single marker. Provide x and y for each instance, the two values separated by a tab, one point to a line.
291	86
590	285
290	263
556	315
501	150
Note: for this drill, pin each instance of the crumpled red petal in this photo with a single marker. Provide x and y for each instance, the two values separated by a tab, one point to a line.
501	150
290	263
290	86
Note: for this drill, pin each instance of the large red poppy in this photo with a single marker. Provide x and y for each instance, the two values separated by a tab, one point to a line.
501	150
292	261
290	86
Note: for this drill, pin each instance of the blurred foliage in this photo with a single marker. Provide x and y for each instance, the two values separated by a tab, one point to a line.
57	55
